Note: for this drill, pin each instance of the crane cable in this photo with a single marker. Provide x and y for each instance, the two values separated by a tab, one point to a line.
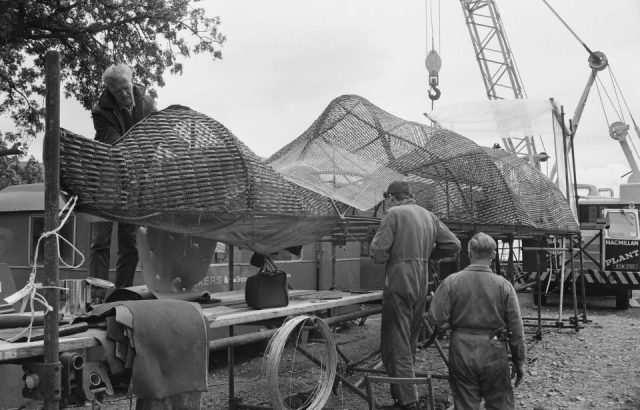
433	61
619	111
571	31
633	120
595	57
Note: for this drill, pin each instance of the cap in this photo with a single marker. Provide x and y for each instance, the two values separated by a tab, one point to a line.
398	187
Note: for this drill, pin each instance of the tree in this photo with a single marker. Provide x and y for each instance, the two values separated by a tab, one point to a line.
149	35
12	171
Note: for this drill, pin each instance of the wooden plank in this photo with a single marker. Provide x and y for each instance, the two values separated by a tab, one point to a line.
235	297
13	351
245	315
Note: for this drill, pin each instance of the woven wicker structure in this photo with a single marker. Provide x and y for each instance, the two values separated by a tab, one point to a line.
354	149
182	171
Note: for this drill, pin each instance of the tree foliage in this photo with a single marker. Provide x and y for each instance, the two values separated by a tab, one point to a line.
152	36
12	170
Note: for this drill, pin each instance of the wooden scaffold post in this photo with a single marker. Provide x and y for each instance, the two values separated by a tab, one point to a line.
51	158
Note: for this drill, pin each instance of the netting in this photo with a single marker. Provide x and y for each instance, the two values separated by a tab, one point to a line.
182	171
354	149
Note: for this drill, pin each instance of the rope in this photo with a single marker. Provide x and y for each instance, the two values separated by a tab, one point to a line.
327	363
30	290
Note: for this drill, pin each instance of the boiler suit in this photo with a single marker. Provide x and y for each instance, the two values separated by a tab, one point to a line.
407	237
477	304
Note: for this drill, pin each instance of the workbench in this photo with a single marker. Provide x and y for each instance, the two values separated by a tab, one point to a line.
230	311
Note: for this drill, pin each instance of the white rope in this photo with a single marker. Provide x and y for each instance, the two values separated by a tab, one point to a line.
30	290
328	363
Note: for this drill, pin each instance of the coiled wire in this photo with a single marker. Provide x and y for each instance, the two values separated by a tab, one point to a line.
327	361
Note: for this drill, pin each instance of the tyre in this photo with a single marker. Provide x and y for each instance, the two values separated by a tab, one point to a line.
622	299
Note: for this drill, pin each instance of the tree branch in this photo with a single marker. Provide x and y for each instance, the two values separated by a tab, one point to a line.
10	151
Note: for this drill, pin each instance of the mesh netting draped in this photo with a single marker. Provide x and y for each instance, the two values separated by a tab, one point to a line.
355	149
182	171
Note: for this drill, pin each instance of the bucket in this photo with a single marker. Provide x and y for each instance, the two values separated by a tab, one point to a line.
74	300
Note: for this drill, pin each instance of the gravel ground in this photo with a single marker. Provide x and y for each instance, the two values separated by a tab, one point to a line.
596	367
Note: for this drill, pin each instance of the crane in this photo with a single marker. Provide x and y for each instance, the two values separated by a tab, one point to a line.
498	67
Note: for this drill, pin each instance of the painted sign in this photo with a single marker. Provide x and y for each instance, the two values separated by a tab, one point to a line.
622	254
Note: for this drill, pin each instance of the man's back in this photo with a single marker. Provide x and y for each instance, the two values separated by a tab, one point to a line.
479	299
409	232
479	306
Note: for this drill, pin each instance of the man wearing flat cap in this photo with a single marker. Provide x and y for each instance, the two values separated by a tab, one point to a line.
407	238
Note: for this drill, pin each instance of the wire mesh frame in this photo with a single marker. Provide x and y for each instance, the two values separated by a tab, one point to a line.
450	170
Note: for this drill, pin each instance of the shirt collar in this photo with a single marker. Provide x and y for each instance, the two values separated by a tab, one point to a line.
405	202
480	268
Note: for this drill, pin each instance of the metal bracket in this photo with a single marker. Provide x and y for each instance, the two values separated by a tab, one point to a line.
43	381
95	381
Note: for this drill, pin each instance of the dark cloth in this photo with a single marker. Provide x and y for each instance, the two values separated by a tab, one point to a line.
170	338
477	303
111	122
163	343
407	238
101	254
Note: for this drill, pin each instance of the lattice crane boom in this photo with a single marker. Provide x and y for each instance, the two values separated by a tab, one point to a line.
498	67
493	53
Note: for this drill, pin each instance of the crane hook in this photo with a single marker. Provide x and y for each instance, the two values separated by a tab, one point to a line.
434	93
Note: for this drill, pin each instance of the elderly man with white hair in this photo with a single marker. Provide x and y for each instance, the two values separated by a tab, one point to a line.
120	106
484	315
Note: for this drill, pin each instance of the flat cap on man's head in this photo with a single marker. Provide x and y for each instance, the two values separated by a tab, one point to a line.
399	187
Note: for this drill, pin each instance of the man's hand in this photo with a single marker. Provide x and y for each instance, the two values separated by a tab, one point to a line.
517	371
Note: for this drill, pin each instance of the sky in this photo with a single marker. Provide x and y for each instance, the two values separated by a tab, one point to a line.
285	60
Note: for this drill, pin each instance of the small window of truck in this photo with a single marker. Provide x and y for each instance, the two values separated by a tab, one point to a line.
622	224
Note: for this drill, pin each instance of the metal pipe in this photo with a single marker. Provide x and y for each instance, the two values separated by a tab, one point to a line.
318	264
539	286
239	405
333	264
436	343
582	285
510	270
51	159
417	374
573	285
258	336
562	279
230	348
343	379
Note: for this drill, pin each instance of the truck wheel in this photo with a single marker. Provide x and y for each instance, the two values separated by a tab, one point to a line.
622	299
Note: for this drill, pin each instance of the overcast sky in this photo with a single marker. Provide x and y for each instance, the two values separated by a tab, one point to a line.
285	60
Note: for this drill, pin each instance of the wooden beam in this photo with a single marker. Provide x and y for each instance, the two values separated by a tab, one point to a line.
51	157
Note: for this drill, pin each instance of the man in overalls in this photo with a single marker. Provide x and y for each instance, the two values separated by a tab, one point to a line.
484	315
407	238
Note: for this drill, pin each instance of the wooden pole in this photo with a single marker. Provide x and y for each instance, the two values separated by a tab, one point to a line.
51	158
